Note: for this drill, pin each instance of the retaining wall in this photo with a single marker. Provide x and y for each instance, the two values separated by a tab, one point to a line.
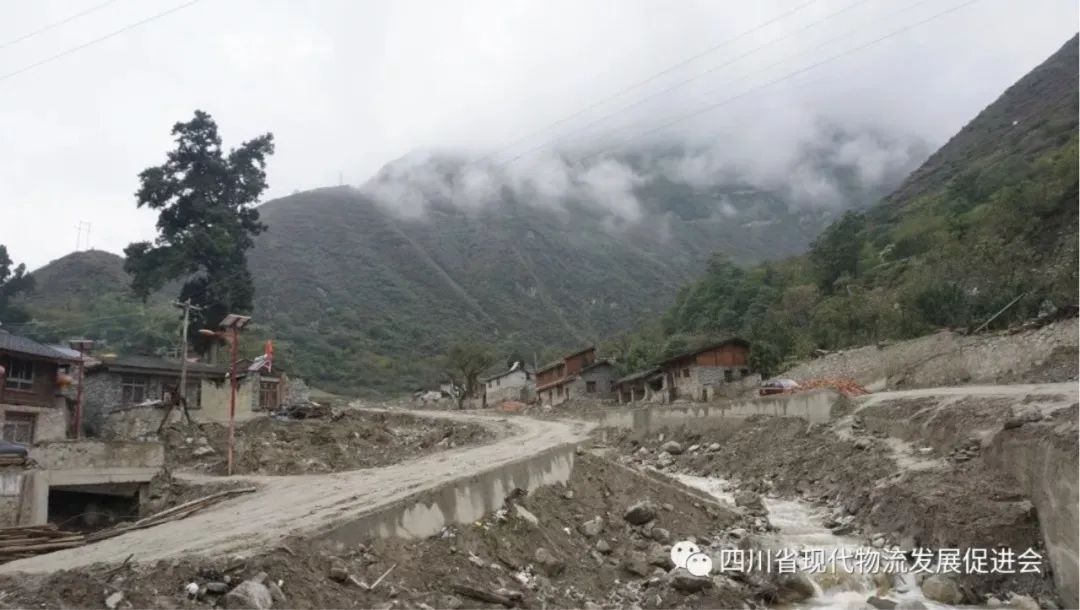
1047	469
814	406
459	501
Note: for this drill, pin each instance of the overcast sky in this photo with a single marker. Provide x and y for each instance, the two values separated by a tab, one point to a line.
347	86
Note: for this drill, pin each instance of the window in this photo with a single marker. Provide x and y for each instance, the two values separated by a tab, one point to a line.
686	372
268	394
132	390
729	375
19	428
20	375
744	372
590	386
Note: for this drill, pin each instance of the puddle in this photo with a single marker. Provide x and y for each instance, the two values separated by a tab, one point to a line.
800	529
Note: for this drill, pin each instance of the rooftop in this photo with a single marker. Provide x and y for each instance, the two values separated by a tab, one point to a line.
156	363
699	350
22	345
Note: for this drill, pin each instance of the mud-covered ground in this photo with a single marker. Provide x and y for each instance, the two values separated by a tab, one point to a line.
345	440
934	493
560	546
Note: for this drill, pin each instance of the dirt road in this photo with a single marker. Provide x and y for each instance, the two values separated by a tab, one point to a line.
287	505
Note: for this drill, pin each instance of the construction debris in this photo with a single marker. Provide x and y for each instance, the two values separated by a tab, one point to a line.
844	385
26	541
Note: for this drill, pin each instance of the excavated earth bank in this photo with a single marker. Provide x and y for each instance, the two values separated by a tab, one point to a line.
961	471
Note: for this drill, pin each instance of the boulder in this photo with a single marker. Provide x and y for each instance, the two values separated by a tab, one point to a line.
550	564
911	604
527	516
792	588
714	447
276	593
217	588
942	589
640	513
665	459
660	535
249	594
338	572
1023	602
672	447
881	603
592	527
112	601
603	546
685	582
660	557
750	501
635	563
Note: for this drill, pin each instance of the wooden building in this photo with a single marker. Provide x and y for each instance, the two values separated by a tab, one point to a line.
701	374
576	375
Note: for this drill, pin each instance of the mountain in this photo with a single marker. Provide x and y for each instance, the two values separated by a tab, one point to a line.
987	224
364	288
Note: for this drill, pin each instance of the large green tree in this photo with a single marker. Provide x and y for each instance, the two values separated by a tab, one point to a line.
206	224
13	280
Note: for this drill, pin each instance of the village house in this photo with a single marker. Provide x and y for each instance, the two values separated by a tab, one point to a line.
576	375
32	405
714	371
58	477
515	383
123	395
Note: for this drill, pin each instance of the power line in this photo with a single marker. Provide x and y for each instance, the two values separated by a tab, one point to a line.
647	80
683	82
56	24
796	55
112	34
715	105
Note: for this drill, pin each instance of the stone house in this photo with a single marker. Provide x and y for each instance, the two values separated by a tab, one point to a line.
576	375
516	383
122	394
65	479
719	370
32	406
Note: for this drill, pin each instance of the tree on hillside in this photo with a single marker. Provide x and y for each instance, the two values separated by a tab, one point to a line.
463	364
835	253
206	224
12	282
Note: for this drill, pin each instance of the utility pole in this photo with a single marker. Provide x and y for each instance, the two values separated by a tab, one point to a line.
231	327
187	307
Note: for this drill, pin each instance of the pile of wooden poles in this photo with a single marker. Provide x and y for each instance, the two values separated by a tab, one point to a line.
11	459
171	514
28	540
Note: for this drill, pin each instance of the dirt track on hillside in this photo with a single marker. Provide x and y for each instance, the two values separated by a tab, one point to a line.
303	505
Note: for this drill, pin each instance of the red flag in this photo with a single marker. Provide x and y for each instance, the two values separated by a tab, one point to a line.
268	350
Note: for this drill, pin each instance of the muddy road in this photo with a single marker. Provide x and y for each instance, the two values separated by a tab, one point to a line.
309	504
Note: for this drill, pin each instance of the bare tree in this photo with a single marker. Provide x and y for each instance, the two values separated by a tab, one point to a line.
463	364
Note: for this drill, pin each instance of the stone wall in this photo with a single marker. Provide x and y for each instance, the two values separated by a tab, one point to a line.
104	417
296	392
138	423
11	488
50	423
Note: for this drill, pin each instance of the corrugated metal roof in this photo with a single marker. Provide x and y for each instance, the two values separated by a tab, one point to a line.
29	347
